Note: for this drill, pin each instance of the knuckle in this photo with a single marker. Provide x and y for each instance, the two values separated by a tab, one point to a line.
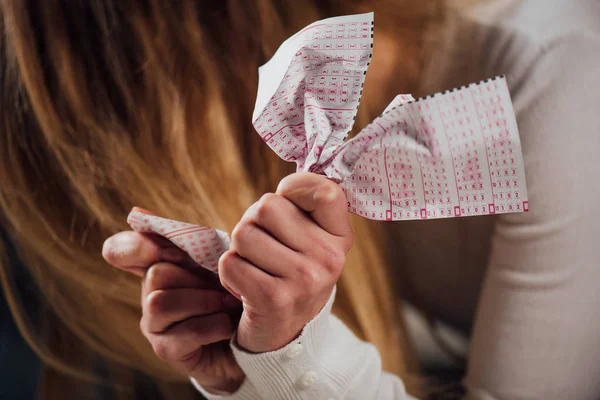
332	259
157	276
226	264
162	349
330	192
266	206
334	188
311	278
241	232
282	299
157	302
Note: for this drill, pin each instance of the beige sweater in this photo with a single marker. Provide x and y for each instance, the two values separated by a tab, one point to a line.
527	286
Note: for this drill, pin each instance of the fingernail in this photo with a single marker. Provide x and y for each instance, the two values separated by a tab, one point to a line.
142	210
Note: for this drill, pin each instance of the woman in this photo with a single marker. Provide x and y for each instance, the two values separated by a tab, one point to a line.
107	104
119	105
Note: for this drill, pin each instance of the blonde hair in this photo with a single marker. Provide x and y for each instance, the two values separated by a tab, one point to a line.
110	104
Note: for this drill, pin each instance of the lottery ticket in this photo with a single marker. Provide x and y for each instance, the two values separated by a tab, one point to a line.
450	154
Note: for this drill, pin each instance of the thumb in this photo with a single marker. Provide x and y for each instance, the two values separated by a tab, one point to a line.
142	211
322	198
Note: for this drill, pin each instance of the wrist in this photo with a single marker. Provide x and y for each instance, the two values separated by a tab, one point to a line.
219	387
286	367
262	334
251	345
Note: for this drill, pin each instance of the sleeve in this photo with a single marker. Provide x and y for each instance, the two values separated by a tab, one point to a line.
327	361
537	328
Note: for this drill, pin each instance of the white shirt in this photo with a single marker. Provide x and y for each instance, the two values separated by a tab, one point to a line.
527	286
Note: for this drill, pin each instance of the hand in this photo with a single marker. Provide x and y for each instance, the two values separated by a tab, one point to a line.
287	253
187	316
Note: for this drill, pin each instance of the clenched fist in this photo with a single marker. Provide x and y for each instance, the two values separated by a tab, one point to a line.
287	253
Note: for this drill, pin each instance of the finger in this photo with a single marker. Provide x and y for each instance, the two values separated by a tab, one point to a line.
181	341
130	251
163	308
280	218
317	265
321	197
247	281
258	247
135	252
164	276
172	252
142	211
284	220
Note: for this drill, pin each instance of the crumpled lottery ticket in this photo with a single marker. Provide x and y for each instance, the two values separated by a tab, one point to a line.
450	154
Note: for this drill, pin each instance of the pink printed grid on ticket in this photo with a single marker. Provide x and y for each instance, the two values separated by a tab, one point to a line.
451	154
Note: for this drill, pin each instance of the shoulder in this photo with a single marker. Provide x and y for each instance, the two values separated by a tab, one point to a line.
540	21
513	37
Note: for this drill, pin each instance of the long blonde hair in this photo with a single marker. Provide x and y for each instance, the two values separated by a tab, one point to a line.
109	104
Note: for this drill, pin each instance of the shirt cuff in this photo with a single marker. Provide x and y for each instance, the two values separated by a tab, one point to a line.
293	371
246	392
